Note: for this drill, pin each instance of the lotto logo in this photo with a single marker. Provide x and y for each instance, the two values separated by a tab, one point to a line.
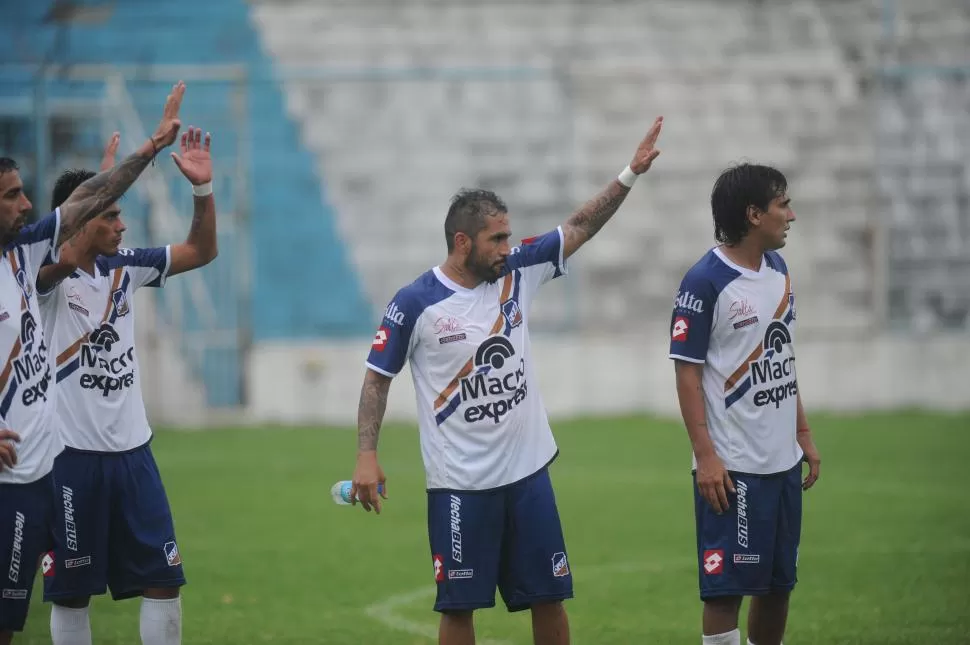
47	564
714	562
172	554
681	325
439	568
380	339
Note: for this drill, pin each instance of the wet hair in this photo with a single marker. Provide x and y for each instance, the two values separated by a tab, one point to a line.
738	188
67	183
469	208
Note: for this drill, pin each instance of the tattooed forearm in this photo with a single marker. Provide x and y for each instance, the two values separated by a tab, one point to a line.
91	198
370	412
590	218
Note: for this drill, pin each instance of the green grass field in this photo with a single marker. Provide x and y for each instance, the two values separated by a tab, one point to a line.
885	555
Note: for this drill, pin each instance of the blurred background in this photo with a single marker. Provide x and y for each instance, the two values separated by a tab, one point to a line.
342	128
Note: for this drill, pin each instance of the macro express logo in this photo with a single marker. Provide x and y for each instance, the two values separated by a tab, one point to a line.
491	396
107	374
774	371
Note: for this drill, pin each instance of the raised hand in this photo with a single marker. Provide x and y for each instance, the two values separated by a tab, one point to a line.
110	150
195	162
168	127
647	151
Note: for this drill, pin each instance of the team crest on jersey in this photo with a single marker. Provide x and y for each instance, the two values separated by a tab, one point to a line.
512	313
24	283
120	300
172	554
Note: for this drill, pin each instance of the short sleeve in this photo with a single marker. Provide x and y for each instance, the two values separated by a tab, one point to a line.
539	259
392	342
147	267
37	242
692	319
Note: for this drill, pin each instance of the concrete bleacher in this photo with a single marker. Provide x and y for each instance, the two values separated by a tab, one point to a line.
277	203
544	102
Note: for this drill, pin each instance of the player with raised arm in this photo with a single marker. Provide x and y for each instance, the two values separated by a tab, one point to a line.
113	526
485	437
26	380
732	342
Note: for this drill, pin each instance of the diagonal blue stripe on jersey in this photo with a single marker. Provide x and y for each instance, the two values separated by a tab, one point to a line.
68	369
448	410
8	397
736	395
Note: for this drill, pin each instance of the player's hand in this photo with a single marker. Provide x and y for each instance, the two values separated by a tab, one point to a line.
367	476
8	454
714	483
110	150
811	456
195	161
168	127
648	150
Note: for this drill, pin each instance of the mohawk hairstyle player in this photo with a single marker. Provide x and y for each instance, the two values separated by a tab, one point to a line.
485	437
122	523
27	440
732	340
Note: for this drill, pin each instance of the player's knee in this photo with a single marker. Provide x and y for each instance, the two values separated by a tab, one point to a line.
547	609
161	593
6	637
73	603
723	604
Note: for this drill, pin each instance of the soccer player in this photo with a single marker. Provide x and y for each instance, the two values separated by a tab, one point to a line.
26	381
732	342
485	437
113	526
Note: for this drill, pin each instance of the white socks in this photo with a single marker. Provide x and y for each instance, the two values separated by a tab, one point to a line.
70	626
161	622
729	638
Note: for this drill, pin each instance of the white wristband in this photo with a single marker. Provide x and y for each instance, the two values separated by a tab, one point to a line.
627	177
202	190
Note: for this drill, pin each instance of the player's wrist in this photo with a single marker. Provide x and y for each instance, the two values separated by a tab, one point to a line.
627	177
202	190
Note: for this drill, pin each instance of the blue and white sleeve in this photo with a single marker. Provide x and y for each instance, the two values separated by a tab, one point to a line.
392	342
692	319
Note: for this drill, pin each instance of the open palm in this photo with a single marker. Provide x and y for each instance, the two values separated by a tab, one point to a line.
195	162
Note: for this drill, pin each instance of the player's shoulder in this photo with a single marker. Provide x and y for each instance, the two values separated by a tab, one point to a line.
776	262
415	298
710	274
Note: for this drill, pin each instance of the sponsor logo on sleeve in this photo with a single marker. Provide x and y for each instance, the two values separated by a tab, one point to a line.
680	329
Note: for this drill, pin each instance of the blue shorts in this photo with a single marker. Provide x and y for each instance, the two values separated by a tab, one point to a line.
510	537
25	534
112	527
752	548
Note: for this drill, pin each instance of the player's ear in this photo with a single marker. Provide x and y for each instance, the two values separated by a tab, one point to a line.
463	243
754	215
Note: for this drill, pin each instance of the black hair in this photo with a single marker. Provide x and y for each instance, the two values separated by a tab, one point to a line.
67	183
738	188
467	213
8	165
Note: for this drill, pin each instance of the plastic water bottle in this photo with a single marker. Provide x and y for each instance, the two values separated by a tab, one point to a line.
341	492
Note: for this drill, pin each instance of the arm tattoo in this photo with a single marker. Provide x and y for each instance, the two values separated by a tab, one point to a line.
370	412
91	198
596	212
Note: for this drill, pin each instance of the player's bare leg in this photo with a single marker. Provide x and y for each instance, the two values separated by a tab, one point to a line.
6	638
70	622
550	625
160	621
767	618
457	628
721	616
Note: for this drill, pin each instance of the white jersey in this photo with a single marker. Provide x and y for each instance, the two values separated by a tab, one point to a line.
91	324
26	382
482	421
740	324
